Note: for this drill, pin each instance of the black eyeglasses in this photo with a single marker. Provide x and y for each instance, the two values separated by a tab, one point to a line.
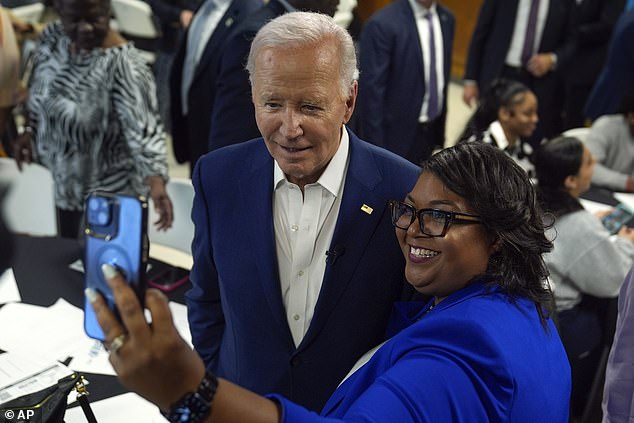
433	222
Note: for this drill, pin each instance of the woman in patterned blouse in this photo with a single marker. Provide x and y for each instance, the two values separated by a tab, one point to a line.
92	115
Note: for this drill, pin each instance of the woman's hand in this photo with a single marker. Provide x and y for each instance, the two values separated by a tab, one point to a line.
23	148
162	203
154	360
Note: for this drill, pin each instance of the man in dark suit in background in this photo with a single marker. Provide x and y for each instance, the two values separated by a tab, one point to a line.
405	56
232	117
296	266
194	74
172	17
525	40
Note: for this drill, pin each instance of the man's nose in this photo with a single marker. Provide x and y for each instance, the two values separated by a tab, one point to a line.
291	124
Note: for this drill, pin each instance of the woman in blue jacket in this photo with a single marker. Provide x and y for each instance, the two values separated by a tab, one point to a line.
483	349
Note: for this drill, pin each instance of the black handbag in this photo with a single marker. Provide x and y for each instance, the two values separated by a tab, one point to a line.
49	404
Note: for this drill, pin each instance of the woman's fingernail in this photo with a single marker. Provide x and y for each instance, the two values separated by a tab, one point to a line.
108	271
91	294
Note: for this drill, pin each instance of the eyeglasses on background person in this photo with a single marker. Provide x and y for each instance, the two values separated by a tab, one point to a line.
433	222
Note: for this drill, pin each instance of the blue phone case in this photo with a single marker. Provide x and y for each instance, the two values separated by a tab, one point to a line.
118	239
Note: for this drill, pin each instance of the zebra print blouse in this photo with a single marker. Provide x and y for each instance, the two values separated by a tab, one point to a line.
95	118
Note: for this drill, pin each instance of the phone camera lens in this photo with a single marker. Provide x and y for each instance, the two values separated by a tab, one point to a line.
93	204
102	217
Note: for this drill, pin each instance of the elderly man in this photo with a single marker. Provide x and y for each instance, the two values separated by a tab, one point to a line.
296	266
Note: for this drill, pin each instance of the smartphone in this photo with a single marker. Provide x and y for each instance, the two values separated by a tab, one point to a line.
166	277
116	234
617	218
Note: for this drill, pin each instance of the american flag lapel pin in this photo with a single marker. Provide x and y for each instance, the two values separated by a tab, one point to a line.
367	209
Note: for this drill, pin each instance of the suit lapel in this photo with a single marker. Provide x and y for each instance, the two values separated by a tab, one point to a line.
353	231
447	38
412	29
216	41
256	194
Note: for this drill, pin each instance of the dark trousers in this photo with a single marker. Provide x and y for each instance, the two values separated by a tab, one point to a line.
583	330
429	135
576	97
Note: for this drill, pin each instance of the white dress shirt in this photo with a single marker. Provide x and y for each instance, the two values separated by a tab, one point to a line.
304	225
422	24
514	55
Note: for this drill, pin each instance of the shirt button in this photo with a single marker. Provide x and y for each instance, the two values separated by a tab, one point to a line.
294	228
296	317
301	273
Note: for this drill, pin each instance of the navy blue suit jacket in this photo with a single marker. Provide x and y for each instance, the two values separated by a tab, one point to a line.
391	82
236	313
189	133
617	76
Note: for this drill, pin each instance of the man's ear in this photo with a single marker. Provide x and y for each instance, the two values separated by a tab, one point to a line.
351	101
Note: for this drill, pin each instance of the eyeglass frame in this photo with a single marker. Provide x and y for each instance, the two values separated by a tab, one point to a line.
450	217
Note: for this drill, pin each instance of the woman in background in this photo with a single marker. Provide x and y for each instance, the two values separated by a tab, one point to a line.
586	259
92	115
506	117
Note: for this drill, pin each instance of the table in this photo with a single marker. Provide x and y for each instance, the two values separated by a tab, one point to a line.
41	270
600	195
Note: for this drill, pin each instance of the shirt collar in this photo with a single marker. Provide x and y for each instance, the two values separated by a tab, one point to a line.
333	175
420	10
498	133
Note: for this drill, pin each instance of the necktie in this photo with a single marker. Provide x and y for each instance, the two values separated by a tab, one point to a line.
194	48
531	27
432	108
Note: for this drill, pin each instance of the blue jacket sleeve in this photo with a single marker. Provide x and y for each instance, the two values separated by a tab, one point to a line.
423	387
205	315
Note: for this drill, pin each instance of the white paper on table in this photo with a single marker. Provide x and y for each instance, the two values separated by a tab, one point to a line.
55	332
627	199
90	356
9	291
23	374
121	408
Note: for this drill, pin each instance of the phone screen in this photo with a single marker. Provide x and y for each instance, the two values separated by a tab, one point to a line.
115	234
619	217
166	277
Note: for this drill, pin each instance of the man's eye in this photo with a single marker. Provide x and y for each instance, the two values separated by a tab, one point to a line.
311	108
